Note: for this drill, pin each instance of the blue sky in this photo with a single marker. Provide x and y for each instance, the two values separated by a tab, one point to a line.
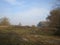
28	12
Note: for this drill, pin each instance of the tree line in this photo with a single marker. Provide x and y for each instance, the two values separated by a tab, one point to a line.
54	18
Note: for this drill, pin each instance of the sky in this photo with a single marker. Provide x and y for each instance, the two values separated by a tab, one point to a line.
26	12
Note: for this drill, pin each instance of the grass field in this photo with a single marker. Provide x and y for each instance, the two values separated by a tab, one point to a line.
26	36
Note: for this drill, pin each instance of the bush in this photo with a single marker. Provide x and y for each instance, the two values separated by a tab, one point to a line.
9	38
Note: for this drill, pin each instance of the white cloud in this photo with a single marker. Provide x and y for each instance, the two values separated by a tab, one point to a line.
33	12
28	17
10	1
14	2
32	16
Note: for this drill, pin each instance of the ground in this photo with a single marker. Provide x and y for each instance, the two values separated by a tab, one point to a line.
26	37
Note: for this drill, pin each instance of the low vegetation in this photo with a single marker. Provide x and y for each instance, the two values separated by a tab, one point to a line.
26	36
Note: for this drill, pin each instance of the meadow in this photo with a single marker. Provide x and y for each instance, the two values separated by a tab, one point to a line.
26	36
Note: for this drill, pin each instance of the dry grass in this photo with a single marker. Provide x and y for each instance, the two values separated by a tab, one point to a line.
24	36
